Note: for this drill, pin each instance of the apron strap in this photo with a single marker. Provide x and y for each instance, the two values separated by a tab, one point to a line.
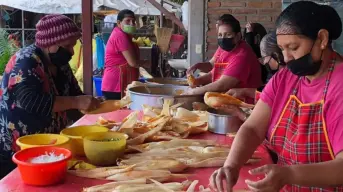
331	68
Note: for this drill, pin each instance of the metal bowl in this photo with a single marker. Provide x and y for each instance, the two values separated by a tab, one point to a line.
169	81
154	95
222	123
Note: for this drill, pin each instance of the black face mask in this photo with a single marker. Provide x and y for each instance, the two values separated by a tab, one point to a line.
226	44
304	65
61	57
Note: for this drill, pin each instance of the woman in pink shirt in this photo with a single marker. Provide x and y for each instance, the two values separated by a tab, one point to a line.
235	65
300	110
121	57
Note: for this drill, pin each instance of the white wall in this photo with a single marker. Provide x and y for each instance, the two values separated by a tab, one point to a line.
196	31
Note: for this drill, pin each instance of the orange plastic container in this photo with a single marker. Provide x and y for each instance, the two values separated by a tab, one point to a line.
42	174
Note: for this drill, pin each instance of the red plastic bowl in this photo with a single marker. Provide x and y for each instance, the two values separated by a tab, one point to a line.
45	173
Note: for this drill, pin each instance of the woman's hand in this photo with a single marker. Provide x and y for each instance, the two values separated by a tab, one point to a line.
189	91
275	178
233	110
204	67
87	103
242	93
225	174
248	27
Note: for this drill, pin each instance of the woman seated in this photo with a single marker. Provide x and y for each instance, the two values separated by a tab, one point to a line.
299	110
253	34
234	63
272	59
39	93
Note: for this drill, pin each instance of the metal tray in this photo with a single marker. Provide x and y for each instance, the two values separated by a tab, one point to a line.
154	95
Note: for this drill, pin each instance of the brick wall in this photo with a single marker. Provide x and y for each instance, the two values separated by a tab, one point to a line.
258	11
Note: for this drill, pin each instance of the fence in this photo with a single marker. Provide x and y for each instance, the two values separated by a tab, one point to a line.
25	36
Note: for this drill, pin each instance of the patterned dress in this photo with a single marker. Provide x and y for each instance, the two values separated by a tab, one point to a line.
27	95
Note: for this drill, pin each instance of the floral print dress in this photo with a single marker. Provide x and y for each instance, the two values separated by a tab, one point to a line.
27	95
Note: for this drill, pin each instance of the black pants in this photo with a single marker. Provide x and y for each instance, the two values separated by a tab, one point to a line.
111	95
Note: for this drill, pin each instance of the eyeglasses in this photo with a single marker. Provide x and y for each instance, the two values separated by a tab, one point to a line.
262	59
273	56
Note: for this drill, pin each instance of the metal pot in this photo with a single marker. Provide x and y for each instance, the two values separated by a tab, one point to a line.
221	123
169	81
154	95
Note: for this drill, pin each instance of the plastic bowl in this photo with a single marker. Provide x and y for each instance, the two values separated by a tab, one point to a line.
38	140
76	135
99	151
45	173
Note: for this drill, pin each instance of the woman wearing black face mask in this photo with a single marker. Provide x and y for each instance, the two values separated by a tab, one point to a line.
39	93
300	110
234	63
272	59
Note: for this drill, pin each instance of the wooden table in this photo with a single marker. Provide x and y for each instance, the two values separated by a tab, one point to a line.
13	183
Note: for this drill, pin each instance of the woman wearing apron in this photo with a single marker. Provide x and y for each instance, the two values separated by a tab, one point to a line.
272	59
235	64
121	57
300	110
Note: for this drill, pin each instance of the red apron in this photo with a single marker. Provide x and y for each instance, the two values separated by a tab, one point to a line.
218	70
300	136
128	74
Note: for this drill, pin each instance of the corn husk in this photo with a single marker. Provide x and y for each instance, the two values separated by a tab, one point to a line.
110	105
141	138
149	187
171	165
106	123
214	100
159	175
110	186
99	173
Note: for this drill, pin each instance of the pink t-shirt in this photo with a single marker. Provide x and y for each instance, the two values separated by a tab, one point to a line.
118	42
281	86
243	65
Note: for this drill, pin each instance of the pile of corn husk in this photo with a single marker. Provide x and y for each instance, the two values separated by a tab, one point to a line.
170	122
177	155
147	185
126	173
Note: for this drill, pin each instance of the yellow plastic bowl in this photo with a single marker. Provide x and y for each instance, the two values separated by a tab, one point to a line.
76	135
37	140
103	149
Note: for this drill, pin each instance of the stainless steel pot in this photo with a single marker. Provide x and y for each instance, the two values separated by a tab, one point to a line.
221	123
169	81
154	95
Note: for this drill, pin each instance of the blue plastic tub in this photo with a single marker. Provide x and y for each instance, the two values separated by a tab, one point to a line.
97	83
142	79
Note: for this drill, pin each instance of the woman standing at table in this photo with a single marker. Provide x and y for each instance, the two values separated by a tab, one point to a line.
300	110
234	63
121	57
39	93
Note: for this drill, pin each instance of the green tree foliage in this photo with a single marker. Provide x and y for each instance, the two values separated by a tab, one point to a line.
7	49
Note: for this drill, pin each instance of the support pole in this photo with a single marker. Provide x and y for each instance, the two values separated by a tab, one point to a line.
22	28
87	24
